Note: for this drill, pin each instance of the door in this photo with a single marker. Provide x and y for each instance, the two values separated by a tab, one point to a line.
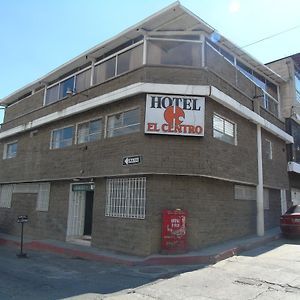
76	214
88	219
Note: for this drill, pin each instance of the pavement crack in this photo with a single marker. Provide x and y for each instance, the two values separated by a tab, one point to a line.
268	284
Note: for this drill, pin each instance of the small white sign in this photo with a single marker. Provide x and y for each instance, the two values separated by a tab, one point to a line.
175	115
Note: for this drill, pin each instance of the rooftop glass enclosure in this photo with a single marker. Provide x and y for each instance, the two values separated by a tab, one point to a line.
184	49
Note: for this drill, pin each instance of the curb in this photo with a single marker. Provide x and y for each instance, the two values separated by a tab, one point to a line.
146	261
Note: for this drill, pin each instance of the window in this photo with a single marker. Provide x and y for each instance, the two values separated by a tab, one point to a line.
62	137
89	131
224	130
130	59
105	70
126	198
83	81
123	123
10	150
42	203
52	94
269	149
66	85
6	195
170	52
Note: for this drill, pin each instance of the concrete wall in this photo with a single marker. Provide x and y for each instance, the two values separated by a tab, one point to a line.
19	113
41	225
161	154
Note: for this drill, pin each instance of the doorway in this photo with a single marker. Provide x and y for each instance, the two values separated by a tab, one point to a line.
80	216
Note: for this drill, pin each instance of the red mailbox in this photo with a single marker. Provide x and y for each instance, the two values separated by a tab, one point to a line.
173	231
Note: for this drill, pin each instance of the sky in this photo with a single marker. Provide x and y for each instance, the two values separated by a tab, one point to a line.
38	36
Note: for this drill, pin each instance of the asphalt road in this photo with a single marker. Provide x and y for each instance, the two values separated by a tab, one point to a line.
49	276
268	272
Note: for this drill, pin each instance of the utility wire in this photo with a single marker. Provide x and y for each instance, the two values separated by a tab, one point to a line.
271	36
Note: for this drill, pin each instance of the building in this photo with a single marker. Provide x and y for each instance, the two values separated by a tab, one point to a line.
168	114
289	69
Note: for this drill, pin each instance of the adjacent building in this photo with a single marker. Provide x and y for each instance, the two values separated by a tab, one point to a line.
168	114
289	69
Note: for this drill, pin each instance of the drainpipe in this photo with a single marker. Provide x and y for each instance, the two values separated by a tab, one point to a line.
260	188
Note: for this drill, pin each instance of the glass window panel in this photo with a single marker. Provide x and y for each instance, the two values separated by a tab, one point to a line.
223	130
65	86
244	69
123	123
52	94
105	70
83	80
130	59
90	131
174	53
272	89
11	150
62	138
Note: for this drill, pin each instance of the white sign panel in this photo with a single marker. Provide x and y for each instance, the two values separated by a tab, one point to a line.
174	115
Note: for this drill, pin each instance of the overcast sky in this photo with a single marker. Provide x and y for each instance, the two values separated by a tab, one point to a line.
38	36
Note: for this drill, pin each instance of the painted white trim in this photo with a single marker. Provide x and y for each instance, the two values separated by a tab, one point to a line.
260	221
293	167
140	88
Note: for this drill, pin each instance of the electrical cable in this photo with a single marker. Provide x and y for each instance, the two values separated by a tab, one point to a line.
270	36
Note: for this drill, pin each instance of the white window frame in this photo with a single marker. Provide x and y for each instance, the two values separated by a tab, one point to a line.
62	80
5	150
56	129
101	119
120	112
126	198
223	133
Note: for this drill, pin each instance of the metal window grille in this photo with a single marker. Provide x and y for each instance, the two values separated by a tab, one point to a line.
42	203
6	195
126	198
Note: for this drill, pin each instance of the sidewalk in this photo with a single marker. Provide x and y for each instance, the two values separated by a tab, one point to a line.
208	255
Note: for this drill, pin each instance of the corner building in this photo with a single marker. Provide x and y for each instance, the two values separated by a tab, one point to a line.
87	155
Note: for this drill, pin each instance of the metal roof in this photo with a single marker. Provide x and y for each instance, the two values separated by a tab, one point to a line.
174	17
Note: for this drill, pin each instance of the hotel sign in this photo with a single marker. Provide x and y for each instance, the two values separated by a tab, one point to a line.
174	115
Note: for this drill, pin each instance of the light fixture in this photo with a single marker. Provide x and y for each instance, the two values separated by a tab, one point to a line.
70	92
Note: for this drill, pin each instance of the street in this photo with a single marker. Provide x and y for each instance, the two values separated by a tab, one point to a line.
269	272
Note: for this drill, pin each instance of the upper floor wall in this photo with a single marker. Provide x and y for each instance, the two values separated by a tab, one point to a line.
193	52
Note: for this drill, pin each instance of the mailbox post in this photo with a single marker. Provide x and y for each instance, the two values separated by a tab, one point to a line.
22	219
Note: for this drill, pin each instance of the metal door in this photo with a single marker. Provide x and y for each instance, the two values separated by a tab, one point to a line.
76	214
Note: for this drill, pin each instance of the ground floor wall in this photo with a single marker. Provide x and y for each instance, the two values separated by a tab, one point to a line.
214	213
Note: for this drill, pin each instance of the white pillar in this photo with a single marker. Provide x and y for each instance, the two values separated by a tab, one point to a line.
260	188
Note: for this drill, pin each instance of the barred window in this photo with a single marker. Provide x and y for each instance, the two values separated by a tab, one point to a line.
224	130
126	198
6	195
